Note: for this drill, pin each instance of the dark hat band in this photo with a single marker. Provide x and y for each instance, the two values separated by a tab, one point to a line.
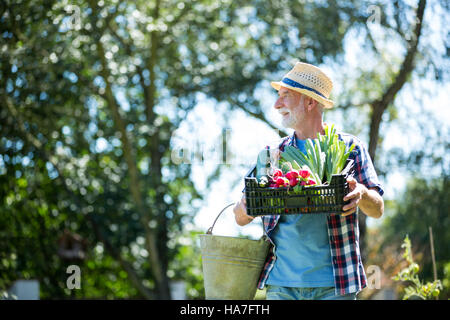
295	84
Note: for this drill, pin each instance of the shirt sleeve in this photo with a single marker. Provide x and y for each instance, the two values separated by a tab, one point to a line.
364	170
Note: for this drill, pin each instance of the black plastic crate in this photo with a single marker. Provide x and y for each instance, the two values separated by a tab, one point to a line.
313	199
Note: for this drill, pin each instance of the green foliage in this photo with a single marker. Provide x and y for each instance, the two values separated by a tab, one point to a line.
424	204
187	265
418	289
446	281
91	93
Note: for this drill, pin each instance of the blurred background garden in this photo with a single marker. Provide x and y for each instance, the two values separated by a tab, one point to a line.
126	126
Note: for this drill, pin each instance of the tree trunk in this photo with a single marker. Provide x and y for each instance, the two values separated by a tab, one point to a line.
158	272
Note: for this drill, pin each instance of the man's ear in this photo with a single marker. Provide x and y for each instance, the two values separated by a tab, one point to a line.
311	104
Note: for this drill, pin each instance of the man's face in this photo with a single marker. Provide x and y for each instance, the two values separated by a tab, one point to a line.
290	105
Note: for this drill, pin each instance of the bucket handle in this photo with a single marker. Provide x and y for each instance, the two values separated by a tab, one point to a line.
210	229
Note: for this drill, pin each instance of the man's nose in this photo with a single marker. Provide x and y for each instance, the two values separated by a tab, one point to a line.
278	104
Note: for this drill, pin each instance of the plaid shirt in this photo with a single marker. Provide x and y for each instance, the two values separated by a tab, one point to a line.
343	232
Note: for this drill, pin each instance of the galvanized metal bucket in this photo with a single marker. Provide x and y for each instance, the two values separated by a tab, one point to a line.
231	265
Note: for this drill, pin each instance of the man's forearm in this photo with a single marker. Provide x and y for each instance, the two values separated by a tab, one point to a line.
372	203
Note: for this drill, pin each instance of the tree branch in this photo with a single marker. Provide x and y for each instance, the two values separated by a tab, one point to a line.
380	105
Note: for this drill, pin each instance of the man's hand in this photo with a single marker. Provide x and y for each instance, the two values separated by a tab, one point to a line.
356	193
368	200
240	213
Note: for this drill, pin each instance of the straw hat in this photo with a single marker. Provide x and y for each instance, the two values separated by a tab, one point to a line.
309	80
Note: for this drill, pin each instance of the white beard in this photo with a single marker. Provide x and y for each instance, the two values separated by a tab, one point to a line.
290	120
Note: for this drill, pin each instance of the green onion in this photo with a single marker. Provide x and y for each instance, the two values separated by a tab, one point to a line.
324	156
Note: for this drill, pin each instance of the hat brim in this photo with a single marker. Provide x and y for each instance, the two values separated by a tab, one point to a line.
328	104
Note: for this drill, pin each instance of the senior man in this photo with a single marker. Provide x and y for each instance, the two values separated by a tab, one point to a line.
316	256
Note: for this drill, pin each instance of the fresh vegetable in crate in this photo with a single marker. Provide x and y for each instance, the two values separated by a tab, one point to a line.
291	178
324	156
314	182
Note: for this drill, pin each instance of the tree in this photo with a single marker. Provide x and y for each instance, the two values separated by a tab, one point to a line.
372	87
381	103
90	94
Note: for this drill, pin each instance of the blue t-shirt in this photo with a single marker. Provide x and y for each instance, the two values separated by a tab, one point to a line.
303	256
